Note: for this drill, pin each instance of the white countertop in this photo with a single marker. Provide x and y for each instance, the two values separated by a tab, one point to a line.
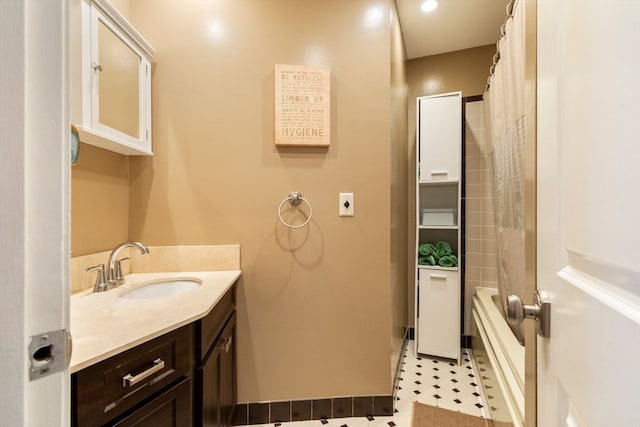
103	324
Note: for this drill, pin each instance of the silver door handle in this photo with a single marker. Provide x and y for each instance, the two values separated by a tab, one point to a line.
131	380
540	311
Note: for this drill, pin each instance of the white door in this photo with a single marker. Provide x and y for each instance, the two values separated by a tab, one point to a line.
588	231
34	211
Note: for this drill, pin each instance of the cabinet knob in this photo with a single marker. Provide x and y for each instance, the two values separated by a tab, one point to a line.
97	67
226	344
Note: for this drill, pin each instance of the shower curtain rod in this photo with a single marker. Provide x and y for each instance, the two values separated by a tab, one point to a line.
503	33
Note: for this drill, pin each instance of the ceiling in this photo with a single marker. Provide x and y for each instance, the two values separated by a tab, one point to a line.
454	25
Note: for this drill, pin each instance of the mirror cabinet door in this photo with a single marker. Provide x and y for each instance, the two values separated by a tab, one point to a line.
118	81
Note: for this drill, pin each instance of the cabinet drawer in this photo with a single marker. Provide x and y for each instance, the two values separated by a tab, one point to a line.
172	408
210	326
107	389
448	279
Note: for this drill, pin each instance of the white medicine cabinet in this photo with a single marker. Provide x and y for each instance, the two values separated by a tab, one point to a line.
110	79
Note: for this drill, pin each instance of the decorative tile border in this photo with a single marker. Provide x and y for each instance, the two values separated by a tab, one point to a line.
312	409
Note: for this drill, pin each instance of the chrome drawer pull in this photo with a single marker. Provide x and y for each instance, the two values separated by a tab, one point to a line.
131	380
439	172
438	276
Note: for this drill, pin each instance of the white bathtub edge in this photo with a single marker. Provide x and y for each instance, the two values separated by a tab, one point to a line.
509	345
507	378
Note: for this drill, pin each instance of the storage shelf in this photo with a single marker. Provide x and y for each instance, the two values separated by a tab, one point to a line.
439	182
110	142
439	227
439	218
437	267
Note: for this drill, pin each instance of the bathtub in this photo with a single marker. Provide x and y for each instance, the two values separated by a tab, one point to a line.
500	360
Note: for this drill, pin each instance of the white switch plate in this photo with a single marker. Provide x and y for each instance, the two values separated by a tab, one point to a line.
346	204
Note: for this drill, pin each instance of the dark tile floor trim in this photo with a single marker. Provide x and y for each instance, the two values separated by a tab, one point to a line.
397	377
465	341
316	409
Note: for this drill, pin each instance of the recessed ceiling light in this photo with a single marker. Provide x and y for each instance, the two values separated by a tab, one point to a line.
429	5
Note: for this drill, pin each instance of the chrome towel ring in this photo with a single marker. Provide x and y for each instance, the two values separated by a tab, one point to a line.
295	198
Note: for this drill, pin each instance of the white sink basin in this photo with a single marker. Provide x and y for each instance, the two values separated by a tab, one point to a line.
162	288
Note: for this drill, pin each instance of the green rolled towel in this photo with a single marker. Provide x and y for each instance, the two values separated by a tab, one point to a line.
427	260
423	250
448	261
427	249
443	249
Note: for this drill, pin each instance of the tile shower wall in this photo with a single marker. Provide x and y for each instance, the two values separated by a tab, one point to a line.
480	260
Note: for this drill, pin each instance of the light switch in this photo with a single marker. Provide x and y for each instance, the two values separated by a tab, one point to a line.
346	204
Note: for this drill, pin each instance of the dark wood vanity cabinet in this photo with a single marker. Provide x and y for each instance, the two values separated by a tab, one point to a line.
184	378
215	375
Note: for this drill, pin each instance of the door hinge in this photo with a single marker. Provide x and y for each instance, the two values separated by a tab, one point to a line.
49	353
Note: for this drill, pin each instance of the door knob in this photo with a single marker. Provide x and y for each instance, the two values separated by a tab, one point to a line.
540	311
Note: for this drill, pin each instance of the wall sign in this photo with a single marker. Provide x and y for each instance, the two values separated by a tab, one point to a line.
302	105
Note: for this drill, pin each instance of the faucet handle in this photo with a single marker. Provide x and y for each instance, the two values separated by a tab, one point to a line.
101	284
118	269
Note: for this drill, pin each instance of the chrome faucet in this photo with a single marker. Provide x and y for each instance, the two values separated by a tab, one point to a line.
114	271
101	284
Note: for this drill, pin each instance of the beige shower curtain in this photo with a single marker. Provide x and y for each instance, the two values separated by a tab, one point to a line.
504	122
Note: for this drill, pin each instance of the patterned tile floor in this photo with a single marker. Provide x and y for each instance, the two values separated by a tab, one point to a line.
430	380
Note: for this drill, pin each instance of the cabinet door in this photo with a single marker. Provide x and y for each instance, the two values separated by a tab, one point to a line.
208	391
228	372
440	137
172	408
216	380
439	313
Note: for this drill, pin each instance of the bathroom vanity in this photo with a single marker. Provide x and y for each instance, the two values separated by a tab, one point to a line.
155	361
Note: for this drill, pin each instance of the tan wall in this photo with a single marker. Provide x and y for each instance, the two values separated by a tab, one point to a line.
314	309
465	71
399	204
100	178
99	200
